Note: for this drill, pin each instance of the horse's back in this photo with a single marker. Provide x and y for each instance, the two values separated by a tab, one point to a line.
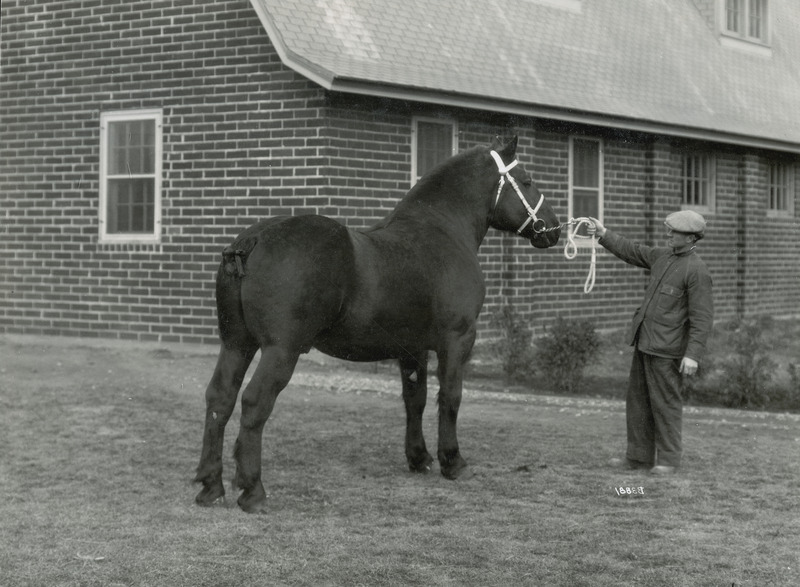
296	275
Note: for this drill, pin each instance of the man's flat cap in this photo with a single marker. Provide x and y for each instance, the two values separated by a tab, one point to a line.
687	221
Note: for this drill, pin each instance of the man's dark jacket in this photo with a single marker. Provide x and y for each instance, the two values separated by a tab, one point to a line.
677	314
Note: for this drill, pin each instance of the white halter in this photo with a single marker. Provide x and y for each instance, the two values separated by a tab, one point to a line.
570	249
505	175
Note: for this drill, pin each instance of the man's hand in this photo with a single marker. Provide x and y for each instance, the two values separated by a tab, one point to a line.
599	229
688	366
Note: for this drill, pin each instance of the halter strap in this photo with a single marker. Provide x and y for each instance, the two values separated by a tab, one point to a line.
504	169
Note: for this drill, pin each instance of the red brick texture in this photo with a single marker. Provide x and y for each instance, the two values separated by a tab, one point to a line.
244	137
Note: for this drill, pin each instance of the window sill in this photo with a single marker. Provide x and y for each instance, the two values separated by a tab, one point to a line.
788	215
704	210
129	243
753	47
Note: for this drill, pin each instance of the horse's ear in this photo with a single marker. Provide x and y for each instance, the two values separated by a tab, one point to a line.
509	150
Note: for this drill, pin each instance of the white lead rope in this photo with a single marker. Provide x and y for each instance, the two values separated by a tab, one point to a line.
571	247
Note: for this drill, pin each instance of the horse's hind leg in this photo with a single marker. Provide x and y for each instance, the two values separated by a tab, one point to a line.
414	373
220	400
273	373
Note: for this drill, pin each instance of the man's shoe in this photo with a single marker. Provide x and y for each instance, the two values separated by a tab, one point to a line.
663	470
630	464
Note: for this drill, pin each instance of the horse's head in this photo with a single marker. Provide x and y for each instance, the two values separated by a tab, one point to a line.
517	204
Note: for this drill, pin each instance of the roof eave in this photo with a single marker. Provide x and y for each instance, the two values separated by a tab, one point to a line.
328	80
532	110
304	67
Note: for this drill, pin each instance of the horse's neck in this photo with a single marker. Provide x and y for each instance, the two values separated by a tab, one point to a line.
422	211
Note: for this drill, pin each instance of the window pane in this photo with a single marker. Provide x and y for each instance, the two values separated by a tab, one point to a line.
585	203
585	164
778	187
131	205
733	12
434	145
756	15
131	147
586	177
696	180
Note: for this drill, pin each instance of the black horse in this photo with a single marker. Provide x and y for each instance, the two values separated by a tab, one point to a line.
409	285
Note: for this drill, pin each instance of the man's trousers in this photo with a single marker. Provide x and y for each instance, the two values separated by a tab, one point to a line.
654	410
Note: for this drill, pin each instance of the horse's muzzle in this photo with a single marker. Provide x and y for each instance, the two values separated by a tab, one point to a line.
546	239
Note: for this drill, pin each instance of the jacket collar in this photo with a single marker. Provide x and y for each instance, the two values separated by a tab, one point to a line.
685	253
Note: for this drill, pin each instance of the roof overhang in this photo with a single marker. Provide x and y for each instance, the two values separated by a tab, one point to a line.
331	82
542	111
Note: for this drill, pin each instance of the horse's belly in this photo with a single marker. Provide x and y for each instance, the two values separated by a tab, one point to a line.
370	343
351	353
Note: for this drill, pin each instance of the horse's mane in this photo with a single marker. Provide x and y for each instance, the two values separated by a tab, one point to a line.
447	177
449	168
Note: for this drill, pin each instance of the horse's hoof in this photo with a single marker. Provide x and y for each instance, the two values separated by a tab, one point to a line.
457	470
422	465
253	500
461	474
253	507
466	473
210	496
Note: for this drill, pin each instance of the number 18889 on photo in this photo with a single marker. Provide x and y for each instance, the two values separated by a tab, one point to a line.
629	490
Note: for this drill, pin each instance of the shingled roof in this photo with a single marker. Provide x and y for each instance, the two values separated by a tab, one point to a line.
649	65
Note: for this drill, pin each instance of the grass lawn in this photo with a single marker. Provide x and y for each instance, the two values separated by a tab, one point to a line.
100	441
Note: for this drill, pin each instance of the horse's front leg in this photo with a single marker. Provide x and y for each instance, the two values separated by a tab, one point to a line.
414	374
451	368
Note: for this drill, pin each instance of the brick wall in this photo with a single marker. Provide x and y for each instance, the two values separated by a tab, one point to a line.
244	138
768	252
241	140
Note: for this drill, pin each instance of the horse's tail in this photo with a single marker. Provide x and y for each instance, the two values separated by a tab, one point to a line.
233	261
230	316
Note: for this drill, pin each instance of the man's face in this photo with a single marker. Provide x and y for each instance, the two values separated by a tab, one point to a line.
679	241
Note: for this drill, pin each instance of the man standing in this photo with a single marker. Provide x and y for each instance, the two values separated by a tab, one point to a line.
668	333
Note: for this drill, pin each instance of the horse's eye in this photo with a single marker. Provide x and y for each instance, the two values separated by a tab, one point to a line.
527	182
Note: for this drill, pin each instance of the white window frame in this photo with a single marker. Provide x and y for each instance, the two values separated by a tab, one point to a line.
415	135
744	33
784	174
710	179
130	238
572	187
